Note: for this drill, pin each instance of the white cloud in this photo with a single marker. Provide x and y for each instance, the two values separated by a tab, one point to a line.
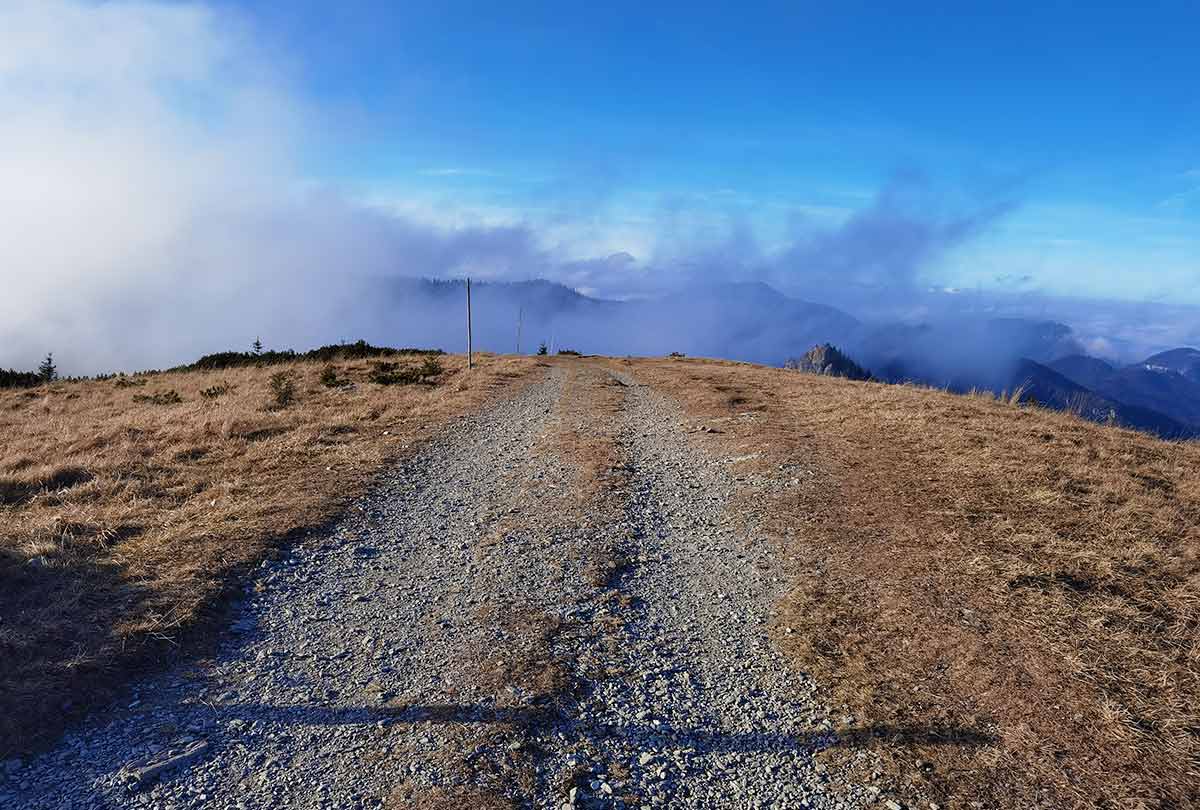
152	207
131	129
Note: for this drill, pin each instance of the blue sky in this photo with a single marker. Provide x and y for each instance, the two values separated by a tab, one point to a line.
609	127
168	161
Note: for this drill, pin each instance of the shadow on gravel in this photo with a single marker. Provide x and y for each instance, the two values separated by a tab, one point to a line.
531	718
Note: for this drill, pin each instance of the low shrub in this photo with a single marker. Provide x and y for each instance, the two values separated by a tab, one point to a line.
283	390
128	382
223	360
170	397
394	374
432	367
359	350
218	390
391	374
569	352
330	379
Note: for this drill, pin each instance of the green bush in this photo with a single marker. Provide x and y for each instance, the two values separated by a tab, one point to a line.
569	352
432	367
283	390
214	391
170	397
222	360
359	350
392	374
329	377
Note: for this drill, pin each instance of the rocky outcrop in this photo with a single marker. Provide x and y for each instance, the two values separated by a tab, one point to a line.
826	359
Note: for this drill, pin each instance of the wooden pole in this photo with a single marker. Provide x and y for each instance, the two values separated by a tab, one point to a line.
520	316
470	359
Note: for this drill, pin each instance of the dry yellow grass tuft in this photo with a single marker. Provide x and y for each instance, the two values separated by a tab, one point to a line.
127	508
1009	597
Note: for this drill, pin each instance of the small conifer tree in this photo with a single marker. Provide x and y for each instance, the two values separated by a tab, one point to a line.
257	346
47	370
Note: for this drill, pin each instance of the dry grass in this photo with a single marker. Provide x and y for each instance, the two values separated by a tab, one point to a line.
453	798
1007	597
124	517
585	436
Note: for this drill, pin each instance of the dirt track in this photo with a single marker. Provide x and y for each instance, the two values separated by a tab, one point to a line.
476	633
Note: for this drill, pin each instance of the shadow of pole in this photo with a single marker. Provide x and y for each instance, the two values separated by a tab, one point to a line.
534	718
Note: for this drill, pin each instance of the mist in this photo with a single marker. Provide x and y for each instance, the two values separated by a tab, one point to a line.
153	209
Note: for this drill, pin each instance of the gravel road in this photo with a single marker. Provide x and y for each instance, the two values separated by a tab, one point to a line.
448	642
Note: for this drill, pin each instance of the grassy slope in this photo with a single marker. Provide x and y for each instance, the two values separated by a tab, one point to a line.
123	522
1006	598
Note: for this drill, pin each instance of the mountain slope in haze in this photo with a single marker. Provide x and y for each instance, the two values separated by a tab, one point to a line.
1090	372
960	354
756	323
751	322
1168	382
740	321
1184	361
1054	390
1156	388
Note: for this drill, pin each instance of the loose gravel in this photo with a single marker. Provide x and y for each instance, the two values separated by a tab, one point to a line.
444	638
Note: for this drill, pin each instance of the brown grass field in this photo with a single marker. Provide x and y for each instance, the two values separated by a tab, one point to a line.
1006	597
124	522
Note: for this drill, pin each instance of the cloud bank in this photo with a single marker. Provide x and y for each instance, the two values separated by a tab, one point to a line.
154	207
152	204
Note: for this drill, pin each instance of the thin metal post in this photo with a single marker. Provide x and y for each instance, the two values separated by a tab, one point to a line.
470	358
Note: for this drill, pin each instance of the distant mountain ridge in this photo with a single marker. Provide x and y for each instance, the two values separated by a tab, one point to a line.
752	321
740	321
1167	383
1052	389
1185	361
1090	372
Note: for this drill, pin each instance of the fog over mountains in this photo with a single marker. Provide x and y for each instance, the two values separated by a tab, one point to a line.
959	349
